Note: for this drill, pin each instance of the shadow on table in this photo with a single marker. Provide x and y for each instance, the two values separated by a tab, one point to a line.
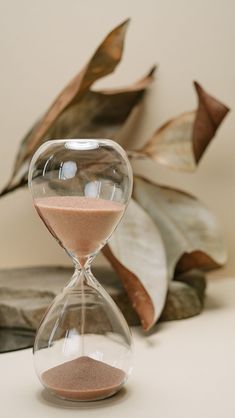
46	398
212	303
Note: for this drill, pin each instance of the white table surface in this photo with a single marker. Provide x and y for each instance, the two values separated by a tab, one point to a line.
186	369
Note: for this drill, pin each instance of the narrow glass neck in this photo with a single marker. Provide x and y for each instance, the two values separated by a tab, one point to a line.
82	274
82	263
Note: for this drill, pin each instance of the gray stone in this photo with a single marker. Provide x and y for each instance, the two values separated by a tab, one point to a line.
25	293
185	296
12	339
195	279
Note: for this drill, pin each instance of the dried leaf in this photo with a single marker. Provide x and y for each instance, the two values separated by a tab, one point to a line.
103	62
100	114
181	142
97	115
137	254
190	232
210	114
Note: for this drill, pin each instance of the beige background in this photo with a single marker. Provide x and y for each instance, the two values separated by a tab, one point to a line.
44	43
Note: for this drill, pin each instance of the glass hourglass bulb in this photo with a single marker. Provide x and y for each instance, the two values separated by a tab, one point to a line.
80	190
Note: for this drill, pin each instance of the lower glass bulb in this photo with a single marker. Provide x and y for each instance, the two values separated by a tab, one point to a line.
83	347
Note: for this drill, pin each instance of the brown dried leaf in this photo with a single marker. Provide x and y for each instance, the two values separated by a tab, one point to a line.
103	62
100	114
97	115
190	232
181	142
210	114
137	254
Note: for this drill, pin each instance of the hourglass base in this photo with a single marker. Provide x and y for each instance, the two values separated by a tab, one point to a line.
83	379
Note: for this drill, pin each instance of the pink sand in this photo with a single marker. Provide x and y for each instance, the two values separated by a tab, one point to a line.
81	224
84	379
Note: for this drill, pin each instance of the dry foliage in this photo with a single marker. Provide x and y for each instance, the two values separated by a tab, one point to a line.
165	231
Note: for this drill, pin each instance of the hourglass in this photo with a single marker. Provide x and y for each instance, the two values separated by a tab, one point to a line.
80	190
